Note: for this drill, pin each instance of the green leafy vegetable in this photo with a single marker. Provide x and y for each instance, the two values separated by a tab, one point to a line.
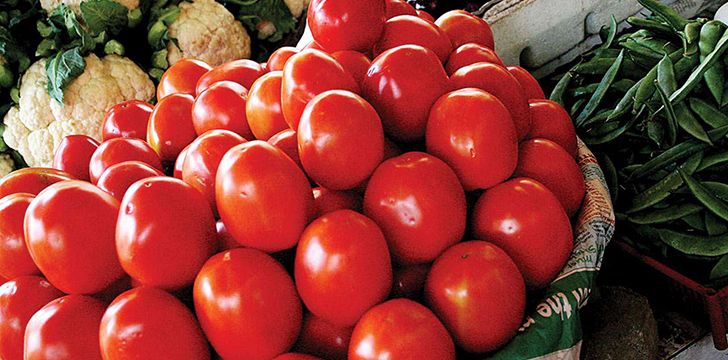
62	69
256	13
104	15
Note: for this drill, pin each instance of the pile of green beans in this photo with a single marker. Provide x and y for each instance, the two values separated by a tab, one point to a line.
653	104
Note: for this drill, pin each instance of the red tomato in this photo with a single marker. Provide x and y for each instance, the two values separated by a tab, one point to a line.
391	149
243	72
354	62
528	83
525	219
247	305
287	141
19	300
31	180
81	219
263	108
308	74
73	155
398	7
418	202
128	119
402	93
278	58
466	288
295	356
400	329
411	30
321	338
263	198
170	127
14	257
179	163
203	158
550	121
331	123
346	25
548	163
337	250
314	45
66	328
424	15
496	80
473	133
148	323
119	150
117	178
221	106
327	201
409	281
470	54
463	27
181	78
164	215
225	240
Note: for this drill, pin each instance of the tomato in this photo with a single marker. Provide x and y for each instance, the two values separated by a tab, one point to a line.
418	202
548	163
263	198
525	219
148	323
278	58
398	7
327	201
19	300
171	127
470	54
402	93
463	27
128	119
346	25
466	288
31	180
528	83
14	257
247	305
321	338
411	30
73	155
499	82
354	62
221	106
550	121
243	72
287	141
181	78
225	240
117	178
66	328
331	123
409	281
400	329
424	15
263	108
164	215
118	150
295	356
339	249
81	219
391	149
179	163
472	132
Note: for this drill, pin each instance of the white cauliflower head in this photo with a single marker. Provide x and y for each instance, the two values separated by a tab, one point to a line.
75	5
297	6
35	132
6	165
207	31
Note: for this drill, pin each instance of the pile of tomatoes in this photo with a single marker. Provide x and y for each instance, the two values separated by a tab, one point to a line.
321	203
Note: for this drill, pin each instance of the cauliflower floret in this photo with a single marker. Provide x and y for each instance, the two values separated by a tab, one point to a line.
296	6
6	164
75	5
35	131
205	30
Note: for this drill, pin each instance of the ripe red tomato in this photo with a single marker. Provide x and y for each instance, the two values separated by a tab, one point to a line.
321	338
117	178
463	27
31	180
73	155
66	328
287	141
529	83
499	82
411	30
327	201
179	163
19	300
263	108
221	106
550	121
128	119
418	202
243	72
14	257
346	25
409	281
278	58
339	249
80	218
119	150
148	323
295	356
247	305
470	54
354	62
181	78
263	198
525	219
400	329
466	288
170	126
424	15
472	132
402	93
398	7
164	215
225	240
308	74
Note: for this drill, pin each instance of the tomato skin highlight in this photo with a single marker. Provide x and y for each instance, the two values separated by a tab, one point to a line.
15	260
31	180
463	27
346	25
117	178
181	78
128	119
222	106
170	127
263	107
119	150
74	154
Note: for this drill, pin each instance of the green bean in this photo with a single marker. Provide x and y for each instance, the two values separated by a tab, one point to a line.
695	221
714	77
610	175
720	190
669	156
665	12
576	107
601	90
671	117
612	33
712	246
691	36
666	75
714	225
640	49
612	135
698	73
720	270
601	116
651	25
620	86
664	215
646	89
557	94
663	188
710	115
712	160
705	197
656	131
690	123
625	104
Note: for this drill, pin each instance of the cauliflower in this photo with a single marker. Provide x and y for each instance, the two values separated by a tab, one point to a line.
75	5
35	132
6	165
297	6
